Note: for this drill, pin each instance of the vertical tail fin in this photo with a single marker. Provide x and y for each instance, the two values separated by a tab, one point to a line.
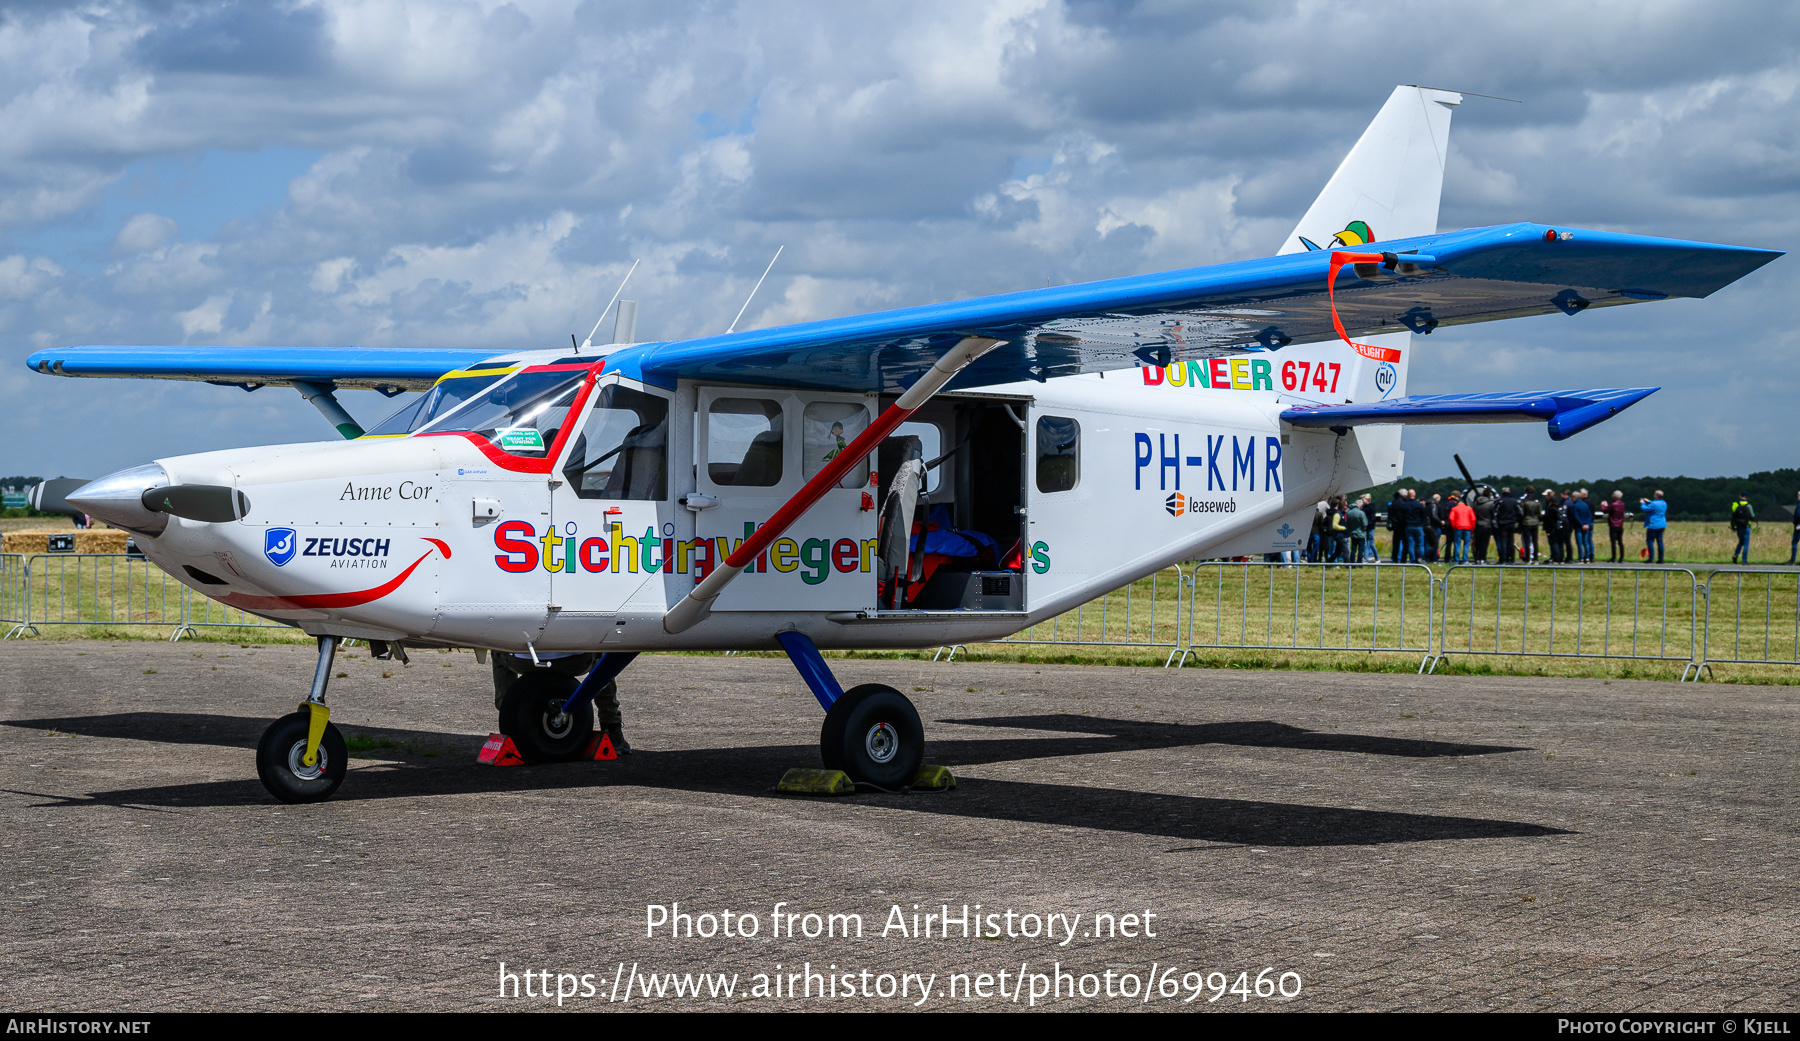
1388	187
1390	183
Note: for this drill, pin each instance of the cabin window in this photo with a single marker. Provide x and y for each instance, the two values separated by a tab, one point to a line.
743	442
931	445
622	451
827	428
1058	454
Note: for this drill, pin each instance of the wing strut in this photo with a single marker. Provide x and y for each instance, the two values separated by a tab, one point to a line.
322	398
695	606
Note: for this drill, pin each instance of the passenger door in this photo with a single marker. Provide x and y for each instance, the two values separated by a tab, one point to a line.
755	448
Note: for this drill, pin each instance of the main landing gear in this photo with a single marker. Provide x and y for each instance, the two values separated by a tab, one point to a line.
302	757
872	732
550	715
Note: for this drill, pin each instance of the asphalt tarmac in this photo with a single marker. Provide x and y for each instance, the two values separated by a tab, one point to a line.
1357	841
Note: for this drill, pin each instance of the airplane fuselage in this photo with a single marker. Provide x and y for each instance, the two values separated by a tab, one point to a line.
452	539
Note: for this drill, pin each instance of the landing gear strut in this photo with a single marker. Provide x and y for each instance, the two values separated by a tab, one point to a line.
872	732
302	757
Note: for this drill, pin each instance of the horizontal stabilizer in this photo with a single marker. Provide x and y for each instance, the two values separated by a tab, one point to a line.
1568	412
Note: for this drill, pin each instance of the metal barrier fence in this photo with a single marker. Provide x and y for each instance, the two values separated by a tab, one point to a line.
1300	606
1145	613
1763	606
15	594
1565	611
1738	615
100	589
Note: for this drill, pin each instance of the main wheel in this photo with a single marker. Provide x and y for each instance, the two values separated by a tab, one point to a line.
532	715
280	760
873	734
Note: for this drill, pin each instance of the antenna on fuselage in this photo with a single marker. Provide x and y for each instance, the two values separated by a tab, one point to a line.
615	299
740	315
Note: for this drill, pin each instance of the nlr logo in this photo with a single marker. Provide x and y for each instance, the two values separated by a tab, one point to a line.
279	545
1176	504
1385	378
1285	531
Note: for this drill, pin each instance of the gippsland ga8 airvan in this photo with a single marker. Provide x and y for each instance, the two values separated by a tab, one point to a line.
931	475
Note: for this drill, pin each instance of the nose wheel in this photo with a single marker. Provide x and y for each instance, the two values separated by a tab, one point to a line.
281	760
873	734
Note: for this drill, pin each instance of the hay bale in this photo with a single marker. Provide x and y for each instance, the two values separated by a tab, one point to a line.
31	540
100	540
37	540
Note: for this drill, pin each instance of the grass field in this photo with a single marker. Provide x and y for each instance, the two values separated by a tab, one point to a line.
1378	619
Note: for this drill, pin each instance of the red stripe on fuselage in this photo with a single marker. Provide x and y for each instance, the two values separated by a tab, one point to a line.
315	601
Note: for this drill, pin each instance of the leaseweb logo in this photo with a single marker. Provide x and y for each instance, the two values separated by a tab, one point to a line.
1178	504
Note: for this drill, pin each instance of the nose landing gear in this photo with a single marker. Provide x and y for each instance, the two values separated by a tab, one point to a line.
281	760
302	757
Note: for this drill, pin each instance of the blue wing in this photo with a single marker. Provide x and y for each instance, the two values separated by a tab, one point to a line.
374	368
1567	412
1478	275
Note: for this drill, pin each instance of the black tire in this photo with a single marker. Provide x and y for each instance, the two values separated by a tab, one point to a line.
873	734
279	755
531	714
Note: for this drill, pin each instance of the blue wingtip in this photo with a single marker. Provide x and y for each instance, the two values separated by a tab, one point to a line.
1567	423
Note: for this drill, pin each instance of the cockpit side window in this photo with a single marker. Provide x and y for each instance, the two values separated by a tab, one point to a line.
622	451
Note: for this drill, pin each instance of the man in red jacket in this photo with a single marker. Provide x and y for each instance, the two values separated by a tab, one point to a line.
1462	522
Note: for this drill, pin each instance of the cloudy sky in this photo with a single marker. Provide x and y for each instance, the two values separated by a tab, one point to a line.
482	174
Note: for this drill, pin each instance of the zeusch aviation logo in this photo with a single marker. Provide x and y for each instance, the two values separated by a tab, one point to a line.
279	545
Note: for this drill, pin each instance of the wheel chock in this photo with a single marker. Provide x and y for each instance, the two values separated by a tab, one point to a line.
934	779
816	782
500	751
600	748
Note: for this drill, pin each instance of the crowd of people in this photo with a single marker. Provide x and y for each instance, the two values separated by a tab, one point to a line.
1548	527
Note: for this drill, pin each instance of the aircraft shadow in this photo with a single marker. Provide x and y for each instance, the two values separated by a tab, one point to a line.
1123	735
394	774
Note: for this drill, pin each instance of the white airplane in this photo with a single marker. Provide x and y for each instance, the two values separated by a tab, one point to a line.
904	479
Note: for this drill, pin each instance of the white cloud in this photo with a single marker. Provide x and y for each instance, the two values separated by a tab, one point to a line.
490	170
21	279
209	317
143	232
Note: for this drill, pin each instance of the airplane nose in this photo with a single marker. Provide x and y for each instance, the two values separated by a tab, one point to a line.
118	499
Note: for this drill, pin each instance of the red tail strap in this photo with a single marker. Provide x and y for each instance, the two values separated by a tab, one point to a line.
1340	257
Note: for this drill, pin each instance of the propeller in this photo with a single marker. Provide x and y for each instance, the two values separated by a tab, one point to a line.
211	503
1469	488
51	496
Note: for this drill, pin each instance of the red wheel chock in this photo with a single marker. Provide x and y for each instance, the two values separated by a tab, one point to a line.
600	748
500	751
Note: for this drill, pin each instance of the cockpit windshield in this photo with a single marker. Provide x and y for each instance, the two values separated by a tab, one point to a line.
444	396
521	415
